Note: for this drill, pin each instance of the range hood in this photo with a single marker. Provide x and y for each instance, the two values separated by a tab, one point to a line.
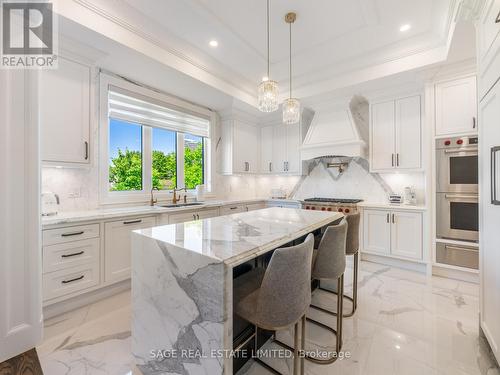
341	131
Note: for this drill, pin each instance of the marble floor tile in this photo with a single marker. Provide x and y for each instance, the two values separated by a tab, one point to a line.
406	323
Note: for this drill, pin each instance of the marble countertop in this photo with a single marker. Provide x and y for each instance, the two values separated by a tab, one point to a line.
392	206
110	213
233	239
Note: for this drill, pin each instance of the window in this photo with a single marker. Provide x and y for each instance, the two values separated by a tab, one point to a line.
125	156
150	141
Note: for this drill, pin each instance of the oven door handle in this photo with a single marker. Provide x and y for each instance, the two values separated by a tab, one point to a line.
451	247
458	196
465	151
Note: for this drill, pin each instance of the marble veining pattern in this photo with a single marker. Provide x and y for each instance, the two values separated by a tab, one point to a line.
440	340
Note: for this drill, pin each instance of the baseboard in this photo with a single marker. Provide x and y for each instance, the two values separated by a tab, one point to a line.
84	299
399	263
455	274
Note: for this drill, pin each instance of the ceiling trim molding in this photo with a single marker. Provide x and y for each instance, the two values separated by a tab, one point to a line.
244	95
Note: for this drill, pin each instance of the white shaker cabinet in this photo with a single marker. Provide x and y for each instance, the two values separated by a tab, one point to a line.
396	135
240	147
488	42
266	149
456	106
117	246
280	149
65	103
395	233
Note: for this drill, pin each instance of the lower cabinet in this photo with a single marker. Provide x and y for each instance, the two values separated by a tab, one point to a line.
391	232
117	247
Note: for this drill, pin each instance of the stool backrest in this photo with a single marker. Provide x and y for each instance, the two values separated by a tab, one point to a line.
352	245
285	292
330	261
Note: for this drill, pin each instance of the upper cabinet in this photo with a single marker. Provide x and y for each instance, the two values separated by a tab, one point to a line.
240	147
396	135
65	105
456	106
488	41
280	149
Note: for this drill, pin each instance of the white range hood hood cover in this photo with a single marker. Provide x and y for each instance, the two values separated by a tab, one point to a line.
342	131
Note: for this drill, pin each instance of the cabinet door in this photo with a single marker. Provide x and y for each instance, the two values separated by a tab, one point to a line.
408	133
181	217
406	234
279	149
266	149
117	248
488	30
255	206
489	218
65	113
382	128
456	106
245	148
206	214
377	231
293	165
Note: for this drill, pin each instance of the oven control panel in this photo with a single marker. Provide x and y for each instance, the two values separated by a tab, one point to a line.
456	142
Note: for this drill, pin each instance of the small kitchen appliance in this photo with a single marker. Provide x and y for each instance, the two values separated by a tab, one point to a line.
50	204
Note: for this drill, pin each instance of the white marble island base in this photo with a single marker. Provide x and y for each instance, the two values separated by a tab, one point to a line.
182	284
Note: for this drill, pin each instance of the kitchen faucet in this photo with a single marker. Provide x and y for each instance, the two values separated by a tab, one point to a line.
153	200
174	198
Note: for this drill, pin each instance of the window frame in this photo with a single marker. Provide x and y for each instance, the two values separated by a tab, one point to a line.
141	196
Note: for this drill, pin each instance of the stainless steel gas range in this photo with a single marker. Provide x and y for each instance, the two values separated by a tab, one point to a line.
347	206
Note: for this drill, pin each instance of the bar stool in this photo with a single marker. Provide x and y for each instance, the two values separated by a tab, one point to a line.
329	264
352	248
283	297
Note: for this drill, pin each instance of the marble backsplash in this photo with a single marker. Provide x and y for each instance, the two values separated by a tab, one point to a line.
78	187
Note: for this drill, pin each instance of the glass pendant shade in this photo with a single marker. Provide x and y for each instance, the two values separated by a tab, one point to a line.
268	93
291	111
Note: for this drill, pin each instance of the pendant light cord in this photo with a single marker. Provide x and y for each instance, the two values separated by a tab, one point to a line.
290	60
268	41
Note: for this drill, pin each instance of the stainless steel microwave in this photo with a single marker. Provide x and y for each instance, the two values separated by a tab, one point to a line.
457	165
457	216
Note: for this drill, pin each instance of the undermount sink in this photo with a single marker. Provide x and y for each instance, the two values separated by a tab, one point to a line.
181	204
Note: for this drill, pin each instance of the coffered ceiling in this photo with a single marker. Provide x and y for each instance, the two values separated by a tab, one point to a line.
336	43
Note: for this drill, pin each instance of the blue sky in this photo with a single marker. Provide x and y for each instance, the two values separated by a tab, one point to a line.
123	135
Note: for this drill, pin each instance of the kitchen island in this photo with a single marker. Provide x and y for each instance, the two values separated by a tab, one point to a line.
182	284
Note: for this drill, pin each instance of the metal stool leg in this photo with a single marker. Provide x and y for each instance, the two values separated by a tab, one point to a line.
353	299
337	332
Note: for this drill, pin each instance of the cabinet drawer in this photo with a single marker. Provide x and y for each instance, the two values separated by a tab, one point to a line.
228	210
71	280
457	255
62	256
69	234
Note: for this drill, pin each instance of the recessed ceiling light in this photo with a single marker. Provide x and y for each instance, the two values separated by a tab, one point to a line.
405	27
213	43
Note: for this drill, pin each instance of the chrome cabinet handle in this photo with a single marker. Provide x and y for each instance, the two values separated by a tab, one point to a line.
397	160
474	122
72	280
72	255
194	217
494	169
270	167
86	150
233	208
393	218
388	218
132	222
392	162
72	234
284	166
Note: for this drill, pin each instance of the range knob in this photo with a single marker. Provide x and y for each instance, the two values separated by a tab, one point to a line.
313	208
460	141
447	143
329	209
323	208
340	209
347	210
306	207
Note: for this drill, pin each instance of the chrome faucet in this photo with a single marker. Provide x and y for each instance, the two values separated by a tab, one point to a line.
174	198
153	200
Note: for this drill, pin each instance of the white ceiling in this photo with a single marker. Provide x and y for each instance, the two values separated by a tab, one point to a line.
336	43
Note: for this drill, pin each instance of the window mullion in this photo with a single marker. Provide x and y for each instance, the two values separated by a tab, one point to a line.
180	160
147	159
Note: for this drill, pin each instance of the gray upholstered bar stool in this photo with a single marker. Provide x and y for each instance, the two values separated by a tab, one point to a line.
283	297
352	248
329	264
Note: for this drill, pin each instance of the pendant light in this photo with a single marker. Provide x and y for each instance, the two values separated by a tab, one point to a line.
291	106
268	91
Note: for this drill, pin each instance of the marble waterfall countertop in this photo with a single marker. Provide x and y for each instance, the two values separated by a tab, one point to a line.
182	285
